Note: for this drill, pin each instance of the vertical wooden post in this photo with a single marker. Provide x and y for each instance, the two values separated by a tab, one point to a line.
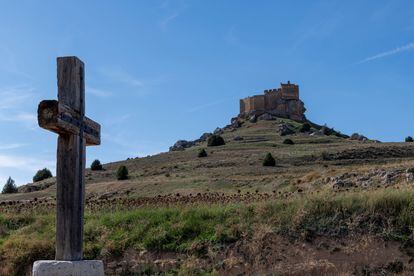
70	164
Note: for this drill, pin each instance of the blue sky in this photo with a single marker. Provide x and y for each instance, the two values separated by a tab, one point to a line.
159	71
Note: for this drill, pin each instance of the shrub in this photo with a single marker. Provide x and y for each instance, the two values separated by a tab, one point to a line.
122	173
306	127
215	140
409	139
42	174
325	156
269	161
288	142
9	187
96	165
202	153
328	131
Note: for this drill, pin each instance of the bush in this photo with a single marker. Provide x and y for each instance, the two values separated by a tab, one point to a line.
288	142
9	187
202	153
409	139
328	131
122	173
306	127
96	165
42	174
269	161
215	140
325	156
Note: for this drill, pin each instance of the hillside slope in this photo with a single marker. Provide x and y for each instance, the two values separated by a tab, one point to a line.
330	206
314	162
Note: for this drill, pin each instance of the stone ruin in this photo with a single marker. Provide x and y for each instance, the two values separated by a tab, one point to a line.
281	102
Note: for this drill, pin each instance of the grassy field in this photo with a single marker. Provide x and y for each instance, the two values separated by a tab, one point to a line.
203	231
330	206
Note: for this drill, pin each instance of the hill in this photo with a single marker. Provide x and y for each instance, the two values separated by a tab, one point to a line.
331	204
314	162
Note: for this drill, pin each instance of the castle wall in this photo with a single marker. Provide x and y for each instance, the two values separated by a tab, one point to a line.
257	103
283	102
271	99
242	106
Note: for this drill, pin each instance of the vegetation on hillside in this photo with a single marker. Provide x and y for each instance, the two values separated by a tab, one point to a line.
10	187
269	161
202	153
215	140
196	231
42	175
96	165
288	141
122	173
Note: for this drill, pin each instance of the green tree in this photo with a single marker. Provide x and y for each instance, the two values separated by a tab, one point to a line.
215	140
269	161
288	142
202	153
9	187
122	173
96	165
306	127
409	139
42	174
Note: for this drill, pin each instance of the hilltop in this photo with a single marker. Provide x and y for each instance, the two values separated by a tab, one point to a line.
332	204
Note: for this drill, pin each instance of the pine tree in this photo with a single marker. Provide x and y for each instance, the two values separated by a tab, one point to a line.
122	173
96	165
269	161
202	153
9	187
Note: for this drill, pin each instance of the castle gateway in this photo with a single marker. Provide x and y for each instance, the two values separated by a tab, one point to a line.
282	102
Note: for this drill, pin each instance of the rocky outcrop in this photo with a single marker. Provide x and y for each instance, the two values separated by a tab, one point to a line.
286	129
266	117
38	186
373	178
218	131
358	137
182	145
204	137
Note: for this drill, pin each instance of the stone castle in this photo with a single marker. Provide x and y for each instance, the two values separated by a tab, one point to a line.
281	102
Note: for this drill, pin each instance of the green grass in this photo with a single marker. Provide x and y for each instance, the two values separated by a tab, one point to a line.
193	230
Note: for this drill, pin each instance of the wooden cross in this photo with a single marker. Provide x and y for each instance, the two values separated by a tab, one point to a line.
67	118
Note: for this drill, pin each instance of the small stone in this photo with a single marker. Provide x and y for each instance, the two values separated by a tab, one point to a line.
253	119
286	129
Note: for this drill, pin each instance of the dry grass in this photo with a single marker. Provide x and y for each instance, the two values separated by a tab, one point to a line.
239	201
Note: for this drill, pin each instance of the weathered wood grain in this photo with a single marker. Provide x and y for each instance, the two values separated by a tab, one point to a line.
70	164
61	119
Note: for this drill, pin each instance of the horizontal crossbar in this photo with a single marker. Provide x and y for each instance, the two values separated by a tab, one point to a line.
61	119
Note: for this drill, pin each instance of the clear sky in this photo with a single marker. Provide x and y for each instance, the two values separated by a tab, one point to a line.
159	71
